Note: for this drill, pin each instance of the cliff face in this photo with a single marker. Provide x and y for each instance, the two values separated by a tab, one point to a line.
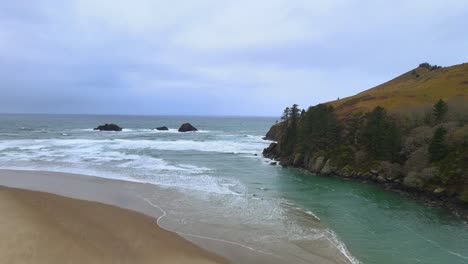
276	132
422	152
446	179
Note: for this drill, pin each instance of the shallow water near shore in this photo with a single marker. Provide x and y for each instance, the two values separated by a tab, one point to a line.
217	182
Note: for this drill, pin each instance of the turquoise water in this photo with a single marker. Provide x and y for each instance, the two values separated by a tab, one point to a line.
224	160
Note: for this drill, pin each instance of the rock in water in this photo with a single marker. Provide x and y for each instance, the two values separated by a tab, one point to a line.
108	127
162	128
187	127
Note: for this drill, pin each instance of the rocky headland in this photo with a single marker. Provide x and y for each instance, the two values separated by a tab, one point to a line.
420	150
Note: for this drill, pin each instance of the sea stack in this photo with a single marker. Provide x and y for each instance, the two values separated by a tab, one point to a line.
108	127
187	127
163	128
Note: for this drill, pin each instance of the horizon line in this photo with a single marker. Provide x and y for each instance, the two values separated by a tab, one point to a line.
148	115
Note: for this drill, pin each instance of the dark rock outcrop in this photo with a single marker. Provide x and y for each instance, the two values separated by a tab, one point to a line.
276	132
163	128
187	127
272	152
108	127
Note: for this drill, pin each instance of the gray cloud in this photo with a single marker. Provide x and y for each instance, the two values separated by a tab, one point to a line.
214	57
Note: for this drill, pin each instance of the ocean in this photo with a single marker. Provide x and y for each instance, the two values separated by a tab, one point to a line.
229	187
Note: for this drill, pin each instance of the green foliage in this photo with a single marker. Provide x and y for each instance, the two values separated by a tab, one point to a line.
463	197
291	116
453	166
425	65
353	128
381	136
291	113
439	110
295	113
437	148
429	66
286	114
320	128
342	155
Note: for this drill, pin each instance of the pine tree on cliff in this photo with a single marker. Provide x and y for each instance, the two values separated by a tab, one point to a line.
303	112
439	111
290	137
320	128
286	114
437	148
295	113
381	135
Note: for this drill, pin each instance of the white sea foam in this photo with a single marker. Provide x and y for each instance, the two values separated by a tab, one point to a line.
92	157
200	182
170	131
221	146
120	159
146	130
333	238
116	156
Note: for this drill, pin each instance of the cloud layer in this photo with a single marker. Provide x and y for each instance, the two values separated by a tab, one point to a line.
214	57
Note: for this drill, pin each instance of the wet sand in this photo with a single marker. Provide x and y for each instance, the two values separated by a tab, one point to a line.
179	214
39	227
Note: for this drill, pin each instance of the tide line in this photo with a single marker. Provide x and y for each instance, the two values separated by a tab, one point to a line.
164	214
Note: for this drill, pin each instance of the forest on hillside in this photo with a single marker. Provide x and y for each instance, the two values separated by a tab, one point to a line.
426	152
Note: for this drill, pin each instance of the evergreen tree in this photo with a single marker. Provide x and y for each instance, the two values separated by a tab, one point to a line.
381	135
290	137
437	148
294	113
286	114
320	129
439	110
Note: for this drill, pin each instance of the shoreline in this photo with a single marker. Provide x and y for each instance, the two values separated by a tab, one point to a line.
40	227
226	239
322	167
428	199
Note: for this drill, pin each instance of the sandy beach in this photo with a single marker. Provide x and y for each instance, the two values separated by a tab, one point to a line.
115	221
38	227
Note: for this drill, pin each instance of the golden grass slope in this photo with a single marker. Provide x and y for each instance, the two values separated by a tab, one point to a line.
416	88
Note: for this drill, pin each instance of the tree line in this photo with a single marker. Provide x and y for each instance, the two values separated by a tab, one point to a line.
318	129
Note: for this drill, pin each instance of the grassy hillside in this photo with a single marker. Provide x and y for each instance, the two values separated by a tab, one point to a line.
399	134
413	90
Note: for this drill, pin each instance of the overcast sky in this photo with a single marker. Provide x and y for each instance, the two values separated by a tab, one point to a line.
203	57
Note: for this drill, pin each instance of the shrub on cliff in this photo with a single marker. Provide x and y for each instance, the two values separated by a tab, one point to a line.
425	65
429	66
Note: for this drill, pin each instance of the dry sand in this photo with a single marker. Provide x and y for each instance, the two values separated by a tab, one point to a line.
37	227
